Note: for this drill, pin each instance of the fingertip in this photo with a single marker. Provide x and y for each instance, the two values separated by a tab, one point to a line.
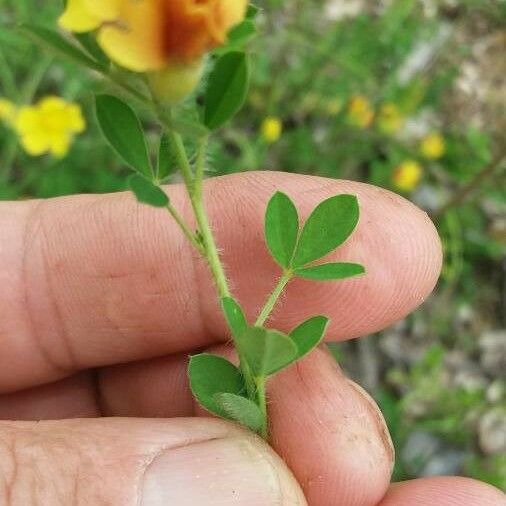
443	491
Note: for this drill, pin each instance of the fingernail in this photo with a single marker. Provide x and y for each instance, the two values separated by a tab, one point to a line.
380	420
232	471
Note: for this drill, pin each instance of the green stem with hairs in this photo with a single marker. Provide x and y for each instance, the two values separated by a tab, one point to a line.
273	298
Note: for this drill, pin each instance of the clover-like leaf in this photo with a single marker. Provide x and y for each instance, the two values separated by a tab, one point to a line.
227	89
123	130
331	271
242	410
281	228
308	335
235	316
267	351
328	226
211	375
147	192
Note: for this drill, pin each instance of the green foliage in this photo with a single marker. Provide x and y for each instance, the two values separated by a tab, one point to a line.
328	226
267	351
242	410
123	130
281	228
147	192
56	43
235	316
227	89
308	335
330	272
165	162
211	375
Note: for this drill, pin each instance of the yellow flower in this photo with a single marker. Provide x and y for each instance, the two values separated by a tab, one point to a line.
390	119
360	112
49	126
271	129
433	146
8	111
147	35
407	175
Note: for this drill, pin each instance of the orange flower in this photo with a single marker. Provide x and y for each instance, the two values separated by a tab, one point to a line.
149	35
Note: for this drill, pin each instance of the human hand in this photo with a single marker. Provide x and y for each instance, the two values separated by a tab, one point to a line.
100	305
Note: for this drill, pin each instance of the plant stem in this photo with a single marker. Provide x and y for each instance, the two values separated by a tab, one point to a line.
467	190
262	403
273	298
185	229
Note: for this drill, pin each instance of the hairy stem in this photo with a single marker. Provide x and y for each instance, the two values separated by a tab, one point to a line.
261	398
273	298
191	236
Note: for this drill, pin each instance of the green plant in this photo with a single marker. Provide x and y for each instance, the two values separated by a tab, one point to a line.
237	393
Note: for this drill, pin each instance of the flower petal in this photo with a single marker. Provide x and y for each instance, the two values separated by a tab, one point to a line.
135	41
77	18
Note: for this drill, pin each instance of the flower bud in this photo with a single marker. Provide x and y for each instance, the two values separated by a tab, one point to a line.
176	81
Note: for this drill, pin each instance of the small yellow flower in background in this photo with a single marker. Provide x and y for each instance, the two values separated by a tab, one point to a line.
407	175
271	129
360	111
49	126
433	146
390	119
8	111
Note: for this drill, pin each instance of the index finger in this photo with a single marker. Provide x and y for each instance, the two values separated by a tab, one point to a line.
89	281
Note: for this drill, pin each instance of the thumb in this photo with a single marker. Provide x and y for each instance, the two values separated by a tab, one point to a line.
140	462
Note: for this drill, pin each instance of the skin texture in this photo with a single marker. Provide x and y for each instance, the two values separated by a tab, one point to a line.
102	300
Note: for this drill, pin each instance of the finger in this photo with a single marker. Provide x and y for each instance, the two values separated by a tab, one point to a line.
328	430
90	281
73	397
331	434
443	491
193	462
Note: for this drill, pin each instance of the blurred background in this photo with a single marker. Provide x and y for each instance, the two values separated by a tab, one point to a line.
406	94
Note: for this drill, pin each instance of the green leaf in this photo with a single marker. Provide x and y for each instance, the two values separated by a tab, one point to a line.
227	89
330	272
147	192
309	335
267	351
252	12
59	45
89	43
123	130
241	409
281	228
211	375
166	163
328	226
235	316
189	128
238	37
